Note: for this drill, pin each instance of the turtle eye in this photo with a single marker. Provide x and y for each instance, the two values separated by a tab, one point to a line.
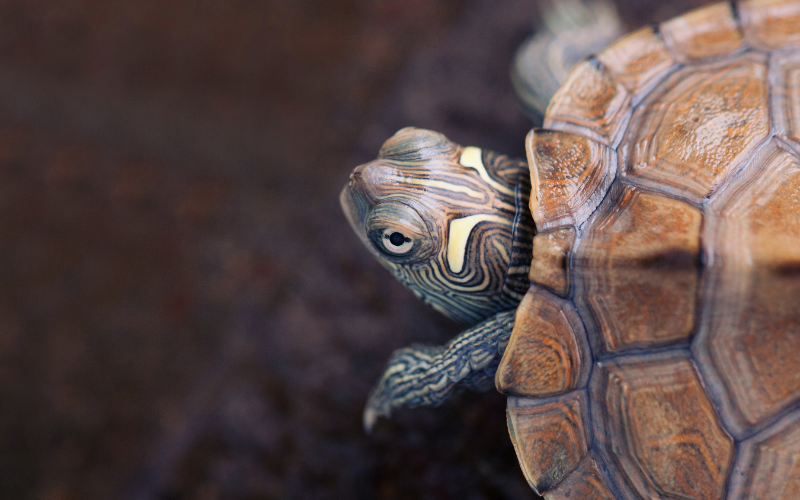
398	232
396	242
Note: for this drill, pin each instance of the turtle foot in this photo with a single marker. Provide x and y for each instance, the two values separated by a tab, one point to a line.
423	375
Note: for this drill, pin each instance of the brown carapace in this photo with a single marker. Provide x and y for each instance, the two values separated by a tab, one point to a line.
657	352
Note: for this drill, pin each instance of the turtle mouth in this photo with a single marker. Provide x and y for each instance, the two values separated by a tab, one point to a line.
349	209
351	212
356	219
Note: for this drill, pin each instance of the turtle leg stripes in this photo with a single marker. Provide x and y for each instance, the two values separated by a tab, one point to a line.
421	375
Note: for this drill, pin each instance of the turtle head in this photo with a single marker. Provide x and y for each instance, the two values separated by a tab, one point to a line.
451	223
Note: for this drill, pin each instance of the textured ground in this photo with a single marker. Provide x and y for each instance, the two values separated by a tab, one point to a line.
183	310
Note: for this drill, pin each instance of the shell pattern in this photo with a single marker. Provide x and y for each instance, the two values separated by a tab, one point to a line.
657	351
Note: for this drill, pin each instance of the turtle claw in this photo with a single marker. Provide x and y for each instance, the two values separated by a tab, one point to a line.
377	406
391	390
370	418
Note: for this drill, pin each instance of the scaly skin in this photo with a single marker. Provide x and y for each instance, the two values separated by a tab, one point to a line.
453	225
421	375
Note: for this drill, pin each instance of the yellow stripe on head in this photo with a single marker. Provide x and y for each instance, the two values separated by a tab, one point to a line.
447	186
471	157
458	236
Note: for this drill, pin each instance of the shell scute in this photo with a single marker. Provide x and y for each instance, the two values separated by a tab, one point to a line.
547	353
638	60
587	481
702	33
570	175
771	24
551	259
768	465
591	102
786	97
657	429
636	269
550	436
748	346
691	134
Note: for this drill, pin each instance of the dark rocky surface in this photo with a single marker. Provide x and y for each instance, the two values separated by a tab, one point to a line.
184	312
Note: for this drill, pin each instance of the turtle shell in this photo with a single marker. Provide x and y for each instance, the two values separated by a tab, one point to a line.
657	351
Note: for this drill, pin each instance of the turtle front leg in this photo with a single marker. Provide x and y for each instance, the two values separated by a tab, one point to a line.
421	375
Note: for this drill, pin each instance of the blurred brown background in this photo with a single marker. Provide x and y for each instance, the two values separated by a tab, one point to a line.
184	312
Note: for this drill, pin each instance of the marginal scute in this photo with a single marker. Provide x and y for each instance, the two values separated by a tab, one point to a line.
654	421
547	353
570	175
549	436
551	255
590	102
771	24
636	270
786	96
689	135
749	351
638	60
587	481
768	465
705	32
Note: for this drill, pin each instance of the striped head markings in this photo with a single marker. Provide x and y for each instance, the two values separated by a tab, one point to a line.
444	219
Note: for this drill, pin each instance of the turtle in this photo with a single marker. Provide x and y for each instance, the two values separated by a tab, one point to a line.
633	286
